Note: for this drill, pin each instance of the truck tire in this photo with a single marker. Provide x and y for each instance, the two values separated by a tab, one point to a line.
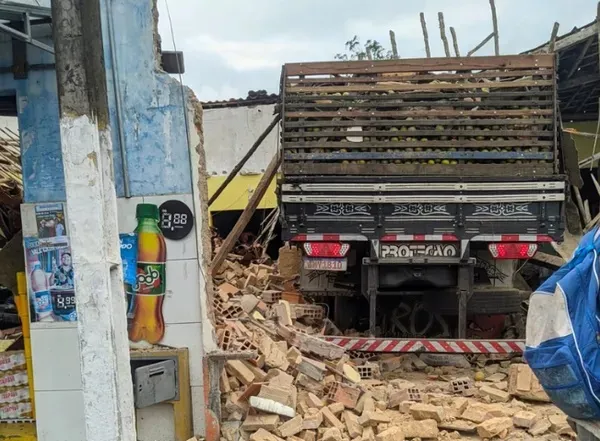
482	302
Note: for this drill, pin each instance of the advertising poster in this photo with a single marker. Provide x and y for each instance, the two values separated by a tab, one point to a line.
144	257
50	219
50	276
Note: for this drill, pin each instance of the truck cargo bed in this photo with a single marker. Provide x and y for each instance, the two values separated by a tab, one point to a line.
436	116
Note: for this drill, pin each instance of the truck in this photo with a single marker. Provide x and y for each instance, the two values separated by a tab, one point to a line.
418	188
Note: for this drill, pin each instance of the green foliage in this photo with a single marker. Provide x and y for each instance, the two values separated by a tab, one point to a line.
357	51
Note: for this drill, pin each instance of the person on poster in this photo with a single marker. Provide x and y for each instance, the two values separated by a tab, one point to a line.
63	275
60	229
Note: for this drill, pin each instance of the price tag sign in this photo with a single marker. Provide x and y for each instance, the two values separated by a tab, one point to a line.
176	219
63	301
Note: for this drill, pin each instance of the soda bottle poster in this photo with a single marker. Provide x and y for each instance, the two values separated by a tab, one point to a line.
146	325
49	270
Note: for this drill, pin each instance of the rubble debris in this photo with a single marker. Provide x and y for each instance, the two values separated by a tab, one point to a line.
494	427
299	387
424	429
463	386
524	384
540	427
427	411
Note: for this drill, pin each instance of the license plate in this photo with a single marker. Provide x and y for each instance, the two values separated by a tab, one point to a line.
326	264
419	249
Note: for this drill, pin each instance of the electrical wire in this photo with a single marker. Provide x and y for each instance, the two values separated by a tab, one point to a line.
185	115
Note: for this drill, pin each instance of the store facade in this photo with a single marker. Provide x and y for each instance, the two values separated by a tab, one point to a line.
156	133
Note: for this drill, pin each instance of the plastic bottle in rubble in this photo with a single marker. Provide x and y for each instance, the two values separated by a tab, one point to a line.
148	324
43	299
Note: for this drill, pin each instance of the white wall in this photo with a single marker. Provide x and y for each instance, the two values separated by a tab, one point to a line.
9	122
230	132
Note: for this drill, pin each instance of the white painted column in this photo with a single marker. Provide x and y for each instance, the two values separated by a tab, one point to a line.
102	326
92	221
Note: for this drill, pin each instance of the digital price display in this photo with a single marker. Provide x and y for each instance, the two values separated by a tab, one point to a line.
176	219
63	301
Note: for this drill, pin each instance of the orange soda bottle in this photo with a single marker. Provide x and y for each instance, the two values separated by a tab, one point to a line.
148	324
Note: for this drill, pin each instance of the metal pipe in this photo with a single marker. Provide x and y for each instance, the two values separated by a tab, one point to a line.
117	91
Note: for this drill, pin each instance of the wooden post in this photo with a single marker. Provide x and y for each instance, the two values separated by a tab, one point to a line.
454	41
247	156
495	24
425	35
480	45
394	45
553	37
243	220
443	33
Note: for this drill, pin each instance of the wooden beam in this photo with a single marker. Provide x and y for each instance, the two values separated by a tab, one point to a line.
454	41
246	215
547	260
394	45
577	82
569	40
247	156
480	45
495	25
580	57
425	35
553	36
443	33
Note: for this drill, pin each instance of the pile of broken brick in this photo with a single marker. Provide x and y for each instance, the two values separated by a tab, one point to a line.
298	387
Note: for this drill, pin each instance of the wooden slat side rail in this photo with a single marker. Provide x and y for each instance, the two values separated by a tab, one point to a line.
496	94
416	133
418	113
421	65
417	144
425	77
385	86
392	104
417	122
538	170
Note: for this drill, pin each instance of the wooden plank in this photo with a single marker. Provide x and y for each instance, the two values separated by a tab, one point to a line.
426	95
548	260
421	155
444	76
420	65
394	103
480	45
418	122
417	133
537	170
428	144
395	85
244	218
417	113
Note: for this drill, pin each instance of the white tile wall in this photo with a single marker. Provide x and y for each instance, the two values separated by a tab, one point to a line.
126	213
187	335
182	302
155	423
55	357
59	415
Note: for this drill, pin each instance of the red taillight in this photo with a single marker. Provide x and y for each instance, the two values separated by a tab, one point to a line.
513	250
326	249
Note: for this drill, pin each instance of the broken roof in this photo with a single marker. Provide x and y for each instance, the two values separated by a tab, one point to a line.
578	72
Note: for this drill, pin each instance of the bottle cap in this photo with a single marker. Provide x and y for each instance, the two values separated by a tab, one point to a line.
147	211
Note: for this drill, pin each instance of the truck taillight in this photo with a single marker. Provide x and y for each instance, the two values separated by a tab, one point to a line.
512	250
326	249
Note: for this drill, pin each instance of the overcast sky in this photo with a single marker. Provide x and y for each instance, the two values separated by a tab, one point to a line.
232	46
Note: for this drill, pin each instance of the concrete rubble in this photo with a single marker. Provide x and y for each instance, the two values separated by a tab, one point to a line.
298	387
